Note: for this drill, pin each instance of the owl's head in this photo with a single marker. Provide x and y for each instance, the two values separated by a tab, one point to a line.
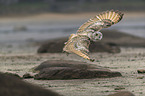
98	35
95	36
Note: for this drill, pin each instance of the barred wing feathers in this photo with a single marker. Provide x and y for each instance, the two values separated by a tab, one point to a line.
79	45
112	17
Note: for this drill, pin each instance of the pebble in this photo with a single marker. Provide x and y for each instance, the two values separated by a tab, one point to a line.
119	88
141	70
140	77
27	75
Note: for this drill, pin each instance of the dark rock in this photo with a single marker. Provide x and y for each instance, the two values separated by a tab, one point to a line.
13	74
73	73
104	47
141	70
27	75
122	39
140	77
65	63
122	93
13	86
57	69
52	46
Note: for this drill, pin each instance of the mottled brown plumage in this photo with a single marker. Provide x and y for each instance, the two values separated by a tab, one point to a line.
79	43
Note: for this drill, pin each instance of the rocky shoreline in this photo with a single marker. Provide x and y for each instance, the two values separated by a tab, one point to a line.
117	53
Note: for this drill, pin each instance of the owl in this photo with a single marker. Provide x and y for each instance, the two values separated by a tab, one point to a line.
90	31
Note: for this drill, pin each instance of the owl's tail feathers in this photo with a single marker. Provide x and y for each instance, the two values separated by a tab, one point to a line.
113	16
84	55
81	55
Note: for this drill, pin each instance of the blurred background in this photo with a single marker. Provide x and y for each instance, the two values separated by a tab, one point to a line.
38	20
9	7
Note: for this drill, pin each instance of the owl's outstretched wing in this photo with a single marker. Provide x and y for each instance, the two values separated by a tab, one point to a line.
103	20
79	45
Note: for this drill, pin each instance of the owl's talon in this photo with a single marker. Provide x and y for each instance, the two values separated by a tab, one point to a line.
65	52
92	60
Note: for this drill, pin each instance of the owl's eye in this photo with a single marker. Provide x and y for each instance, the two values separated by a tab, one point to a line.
100	36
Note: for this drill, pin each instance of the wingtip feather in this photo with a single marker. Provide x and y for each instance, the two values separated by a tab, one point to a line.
114	16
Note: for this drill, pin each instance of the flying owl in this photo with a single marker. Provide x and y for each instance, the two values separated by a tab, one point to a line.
79	43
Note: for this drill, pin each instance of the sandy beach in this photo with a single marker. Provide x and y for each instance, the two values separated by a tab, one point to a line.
127	62
21	58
